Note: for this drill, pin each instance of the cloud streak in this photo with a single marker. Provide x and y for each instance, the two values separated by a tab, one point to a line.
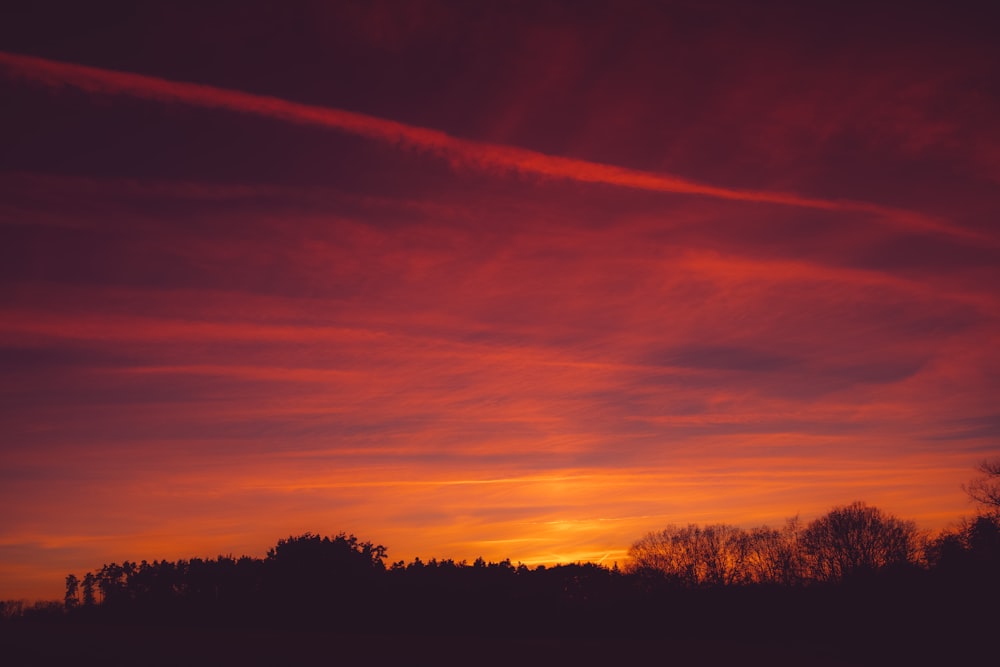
457	151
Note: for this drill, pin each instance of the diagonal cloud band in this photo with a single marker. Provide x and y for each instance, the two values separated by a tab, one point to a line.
457	151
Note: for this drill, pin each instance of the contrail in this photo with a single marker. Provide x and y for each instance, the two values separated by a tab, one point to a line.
458	152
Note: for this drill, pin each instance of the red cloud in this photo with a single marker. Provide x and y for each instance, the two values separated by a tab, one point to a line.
459	152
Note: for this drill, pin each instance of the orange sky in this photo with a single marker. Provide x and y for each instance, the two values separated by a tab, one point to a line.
467	282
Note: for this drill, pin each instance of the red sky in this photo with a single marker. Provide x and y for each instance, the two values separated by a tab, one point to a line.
519	280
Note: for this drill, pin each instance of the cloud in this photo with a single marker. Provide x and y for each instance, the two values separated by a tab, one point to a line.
459	152
721	357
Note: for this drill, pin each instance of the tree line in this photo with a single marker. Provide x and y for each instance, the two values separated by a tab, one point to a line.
847	542
844	542
319	574
855	575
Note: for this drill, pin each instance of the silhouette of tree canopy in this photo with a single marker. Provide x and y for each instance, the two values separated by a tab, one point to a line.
774	556
692	555
89	582
719	555
72	597
316	576
340	552
845	541
857	538
972	550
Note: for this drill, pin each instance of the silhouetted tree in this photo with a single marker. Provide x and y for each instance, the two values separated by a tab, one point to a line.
721	555
985	489
315	577
774	556
110	581
89	584
693	555
984	537
12	608
72	598
857	538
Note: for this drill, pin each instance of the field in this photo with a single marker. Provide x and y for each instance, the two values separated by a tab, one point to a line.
44	644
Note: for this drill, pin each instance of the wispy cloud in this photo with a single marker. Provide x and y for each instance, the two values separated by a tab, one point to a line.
459	152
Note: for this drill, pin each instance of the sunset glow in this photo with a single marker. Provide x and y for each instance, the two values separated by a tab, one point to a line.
513	284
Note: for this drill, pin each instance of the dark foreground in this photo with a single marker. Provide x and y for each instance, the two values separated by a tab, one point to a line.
41	644
912	622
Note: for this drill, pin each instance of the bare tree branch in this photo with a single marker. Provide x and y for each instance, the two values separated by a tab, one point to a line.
985	489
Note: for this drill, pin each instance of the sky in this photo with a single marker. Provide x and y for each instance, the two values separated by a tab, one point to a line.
518	280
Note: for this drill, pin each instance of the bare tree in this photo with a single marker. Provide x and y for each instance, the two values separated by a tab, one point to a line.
722	554
692	555
774	556
985	489
857	538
